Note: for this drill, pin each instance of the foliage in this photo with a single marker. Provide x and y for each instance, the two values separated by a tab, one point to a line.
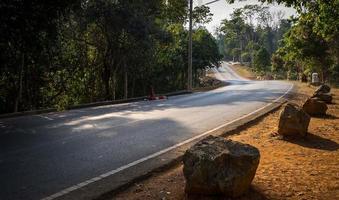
312	43
277	64
242	39
261	60
57	54
305	44
202	15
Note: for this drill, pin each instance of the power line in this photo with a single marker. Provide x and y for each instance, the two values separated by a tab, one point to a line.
211	2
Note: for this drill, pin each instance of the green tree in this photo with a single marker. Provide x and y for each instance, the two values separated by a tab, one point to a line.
313	41
71	52
261	61
205	51
28	33
243	38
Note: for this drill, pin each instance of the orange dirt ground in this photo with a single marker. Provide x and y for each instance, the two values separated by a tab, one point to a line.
296	169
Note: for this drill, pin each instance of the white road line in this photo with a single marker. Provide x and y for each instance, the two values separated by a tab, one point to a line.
45	117
134	163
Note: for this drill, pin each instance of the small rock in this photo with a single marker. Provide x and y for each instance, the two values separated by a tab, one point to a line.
314	107
300	193
219	166
325	97
322	89
293	121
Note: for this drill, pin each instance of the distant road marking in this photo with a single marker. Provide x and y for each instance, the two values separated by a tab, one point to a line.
45	117
102	176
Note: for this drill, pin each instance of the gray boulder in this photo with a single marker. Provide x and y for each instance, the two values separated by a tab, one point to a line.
322	89
219	166
293	121
314	107
325	97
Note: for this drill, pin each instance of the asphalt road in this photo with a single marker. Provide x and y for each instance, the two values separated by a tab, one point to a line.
43	154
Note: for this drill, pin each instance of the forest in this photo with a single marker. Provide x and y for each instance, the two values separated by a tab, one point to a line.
284	48
62	53
252	35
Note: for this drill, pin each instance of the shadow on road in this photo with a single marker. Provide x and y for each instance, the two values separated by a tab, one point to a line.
16	132
33	166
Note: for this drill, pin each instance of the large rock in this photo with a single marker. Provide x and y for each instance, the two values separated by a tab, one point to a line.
314	107
325	97
219	166
293	121
322	89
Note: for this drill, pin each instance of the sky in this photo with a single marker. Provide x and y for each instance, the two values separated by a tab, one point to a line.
222	10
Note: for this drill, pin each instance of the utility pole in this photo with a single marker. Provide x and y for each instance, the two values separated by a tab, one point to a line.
189	71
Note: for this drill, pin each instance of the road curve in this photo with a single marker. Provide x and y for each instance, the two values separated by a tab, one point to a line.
44	154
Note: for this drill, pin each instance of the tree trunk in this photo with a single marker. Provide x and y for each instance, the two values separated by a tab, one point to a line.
125	81
241	48
133	88
324	70
114	84
18	98
106	77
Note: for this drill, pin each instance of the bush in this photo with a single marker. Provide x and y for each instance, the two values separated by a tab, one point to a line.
261	61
